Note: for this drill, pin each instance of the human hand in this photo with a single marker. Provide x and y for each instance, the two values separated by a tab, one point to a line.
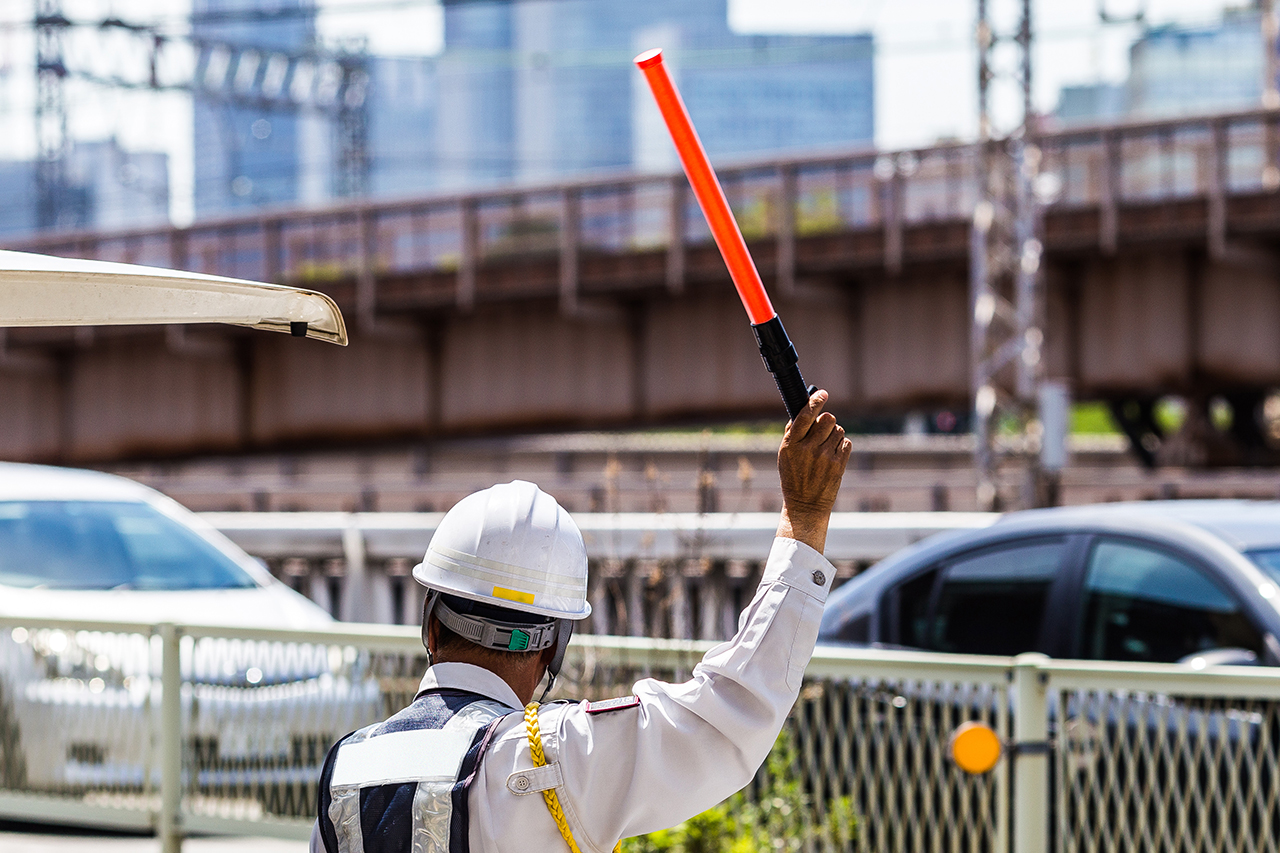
811	463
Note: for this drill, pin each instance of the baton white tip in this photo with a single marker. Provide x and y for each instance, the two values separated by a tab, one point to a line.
649	57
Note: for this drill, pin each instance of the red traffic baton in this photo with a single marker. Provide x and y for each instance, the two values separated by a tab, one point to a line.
775	347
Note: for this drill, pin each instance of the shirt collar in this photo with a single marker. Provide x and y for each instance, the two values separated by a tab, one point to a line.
472	678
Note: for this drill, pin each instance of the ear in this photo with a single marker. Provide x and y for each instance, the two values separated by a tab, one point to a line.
430	633
433	634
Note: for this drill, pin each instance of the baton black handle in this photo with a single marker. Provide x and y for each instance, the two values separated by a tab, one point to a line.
780	358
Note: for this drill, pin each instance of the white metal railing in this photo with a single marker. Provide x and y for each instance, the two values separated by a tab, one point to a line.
647	568
187	728
782	199
624	535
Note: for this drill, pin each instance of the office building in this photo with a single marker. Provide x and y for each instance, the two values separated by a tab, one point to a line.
247	156
539	89
1096	102
121	189
107	188
530	91
403	103
1179	70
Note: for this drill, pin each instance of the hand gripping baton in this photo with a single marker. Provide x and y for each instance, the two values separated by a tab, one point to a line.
775	347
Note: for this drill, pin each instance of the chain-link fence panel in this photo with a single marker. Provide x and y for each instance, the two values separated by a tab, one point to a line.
261	712
1152	771
77	712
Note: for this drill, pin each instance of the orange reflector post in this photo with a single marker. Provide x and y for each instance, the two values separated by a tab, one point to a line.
974	747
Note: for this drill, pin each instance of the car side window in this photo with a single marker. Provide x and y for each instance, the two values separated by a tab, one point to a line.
1145	604
993	603
911	606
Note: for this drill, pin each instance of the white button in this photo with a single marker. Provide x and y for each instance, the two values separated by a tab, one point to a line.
521	783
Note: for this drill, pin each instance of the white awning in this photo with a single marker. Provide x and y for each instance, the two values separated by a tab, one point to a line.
40	290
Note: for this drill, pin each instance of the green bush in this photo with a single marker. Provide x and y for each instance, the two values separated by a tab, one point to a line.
781	818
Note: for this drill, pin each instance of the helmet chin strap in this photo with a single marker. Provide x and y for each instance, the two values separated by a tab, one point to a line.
428	604
564	630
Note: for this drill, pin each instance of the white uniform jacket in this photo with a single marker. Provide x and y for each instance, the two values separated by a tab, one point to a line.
674	752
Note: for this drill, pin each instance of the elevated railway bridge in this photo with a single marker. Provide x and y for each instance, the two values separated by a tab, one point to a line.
603	303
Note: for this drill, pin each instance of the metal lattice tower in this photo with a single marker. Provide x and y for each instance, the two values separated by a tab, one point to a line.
334	82
50	115
351	173
1270	32
1006	289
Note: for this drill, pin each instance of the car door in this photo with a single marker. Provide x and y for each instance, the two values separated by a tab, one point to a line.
1144	602
992	600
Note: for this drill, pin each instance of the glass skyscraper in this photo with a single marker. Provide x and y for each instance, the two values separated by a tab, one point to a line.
550	89
1179	70
248	156
525	91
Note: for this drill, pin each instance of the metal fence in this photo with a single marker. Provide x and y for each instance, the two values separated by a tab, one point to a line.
671	575
222	730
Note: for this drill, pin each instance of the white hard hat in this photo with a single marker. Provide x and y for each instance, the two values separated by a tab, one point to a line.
513	546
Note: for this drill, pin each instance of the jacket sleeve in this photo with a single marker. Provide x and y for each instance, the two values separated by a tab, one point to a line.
685	747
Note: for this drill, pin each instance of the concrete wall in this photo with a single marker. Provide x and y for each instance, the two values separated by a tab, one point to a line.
1134	313
1239	323
915	340
312	390
1155	322
137	396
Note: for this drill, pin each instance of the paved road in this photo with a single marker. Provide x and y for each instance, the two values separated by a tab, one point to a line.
50	841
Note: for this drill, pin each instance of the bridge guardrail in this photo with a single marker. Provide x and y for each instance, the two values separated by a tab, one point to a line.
608	536
183	728
352	245
646	568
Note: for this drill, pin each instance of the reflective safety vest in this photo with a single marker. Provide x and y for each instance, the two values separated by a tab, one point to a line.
401	785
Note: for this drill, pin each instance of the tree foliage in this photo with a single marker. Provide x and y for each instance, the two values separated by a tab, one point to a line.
781	817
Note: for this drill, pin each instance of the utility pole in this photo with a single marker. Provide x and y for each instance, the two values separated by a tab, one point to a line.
351	174
1270	30
51	115
1006	287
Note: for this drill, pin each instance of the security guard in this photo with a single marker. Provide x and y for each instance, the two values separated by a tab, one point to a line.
464	769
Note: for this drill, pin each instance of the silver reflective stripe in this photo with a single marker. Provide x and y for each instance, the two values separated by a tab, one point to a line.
432	817
429	757
401	757
433	801
491	571
344	804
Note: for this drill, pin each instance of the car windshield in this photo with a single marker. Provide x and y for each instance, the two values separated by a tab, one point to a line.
107	545
1268	560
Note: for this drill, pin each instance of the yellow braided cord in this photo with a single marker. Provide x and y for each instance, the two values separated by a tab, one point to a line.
549	795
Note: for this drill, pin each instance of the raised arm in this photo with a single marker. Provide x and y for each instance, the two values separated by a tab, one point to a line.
684	747
811	463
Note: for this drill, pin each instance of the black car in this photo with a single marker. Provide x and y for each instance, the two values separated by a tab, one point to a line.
1160	582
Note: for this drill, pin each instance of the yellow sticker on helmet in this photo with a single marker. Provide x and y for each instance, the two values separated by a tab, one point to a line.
513	595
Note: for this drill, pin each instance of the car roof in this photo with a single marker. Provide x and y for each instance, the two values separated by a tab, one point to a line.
22	482
41	290
1244	525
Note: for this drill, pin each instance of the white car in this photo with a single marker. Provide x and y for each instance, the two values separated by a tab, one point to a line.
86	545
77	708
